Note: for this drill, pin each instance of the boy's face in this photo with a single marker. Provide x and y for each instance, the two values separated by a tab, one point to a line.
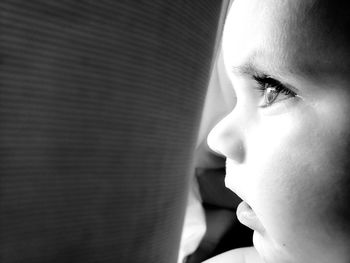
287	139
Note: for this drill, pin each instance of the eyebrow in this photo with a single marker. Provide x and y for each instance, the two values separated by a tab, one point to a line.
247	69
252	68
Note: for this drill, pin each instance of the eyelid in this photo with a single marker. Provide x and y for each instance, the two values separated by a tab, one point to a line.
265	82
264	79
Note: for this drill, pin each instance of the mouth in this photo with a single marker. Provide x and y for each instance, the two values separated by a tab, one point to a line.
248	217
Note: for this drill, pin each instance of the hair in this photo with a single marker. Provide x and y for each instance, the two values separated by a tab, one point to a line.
320	29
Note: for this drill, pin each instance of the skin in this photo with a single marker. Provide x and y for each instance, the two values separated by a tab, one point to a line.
289	159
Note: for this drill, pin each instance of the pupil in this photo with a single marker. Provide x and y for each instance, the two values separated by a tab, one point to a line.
270	95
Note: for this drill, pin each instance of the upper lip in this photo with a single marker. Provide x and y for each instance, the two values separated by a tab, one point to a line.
245	213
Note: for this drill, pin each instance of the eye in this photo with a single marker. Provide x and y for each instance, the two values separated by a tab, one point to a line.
272	90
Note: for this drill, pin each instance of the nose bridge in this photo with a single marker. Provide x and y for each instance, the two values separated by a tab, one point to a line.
226	138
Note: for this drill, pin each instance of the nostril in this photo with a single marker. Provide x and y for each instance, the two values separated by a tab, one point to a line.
227	145
227	139
217	152
231	147
237	152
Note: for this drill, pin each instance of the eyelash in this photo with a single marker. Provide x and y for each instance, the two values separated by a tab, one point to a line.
265	82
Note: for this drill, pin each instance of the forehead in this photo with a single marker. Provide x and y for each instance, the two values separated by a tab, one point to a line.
297	36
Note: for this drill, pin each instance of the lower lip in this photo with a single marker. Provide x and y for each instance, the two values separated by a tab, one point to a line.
247	217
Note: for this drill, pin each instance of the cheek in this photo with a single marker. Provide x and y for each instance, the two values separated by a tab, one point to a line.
298	175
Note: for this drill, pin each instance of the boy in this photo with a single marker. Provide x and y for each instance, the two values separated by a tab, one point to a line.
287	139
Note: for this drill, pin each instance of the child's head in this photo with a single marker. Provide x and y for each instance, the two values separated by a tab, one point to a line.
287	141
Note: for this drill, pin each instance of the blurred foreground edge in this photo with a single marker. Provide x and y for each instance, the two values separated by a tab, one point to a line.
100	103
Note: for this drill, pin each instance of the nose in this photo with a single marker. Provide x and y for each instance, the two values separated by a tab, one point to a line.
226	139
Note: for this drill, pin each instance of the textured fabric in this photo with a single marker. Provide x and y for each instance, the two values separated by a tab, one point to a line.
99	109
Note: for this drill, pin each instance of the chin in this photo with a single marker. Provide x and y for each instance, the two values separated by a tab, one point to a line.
269	251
